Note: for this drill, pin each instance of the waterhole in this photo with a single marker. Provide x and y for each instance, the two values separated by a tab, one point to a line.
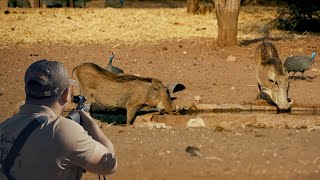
228	117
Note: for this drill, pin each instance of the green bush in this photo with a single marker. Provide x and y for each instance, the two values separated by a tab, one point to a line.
300	15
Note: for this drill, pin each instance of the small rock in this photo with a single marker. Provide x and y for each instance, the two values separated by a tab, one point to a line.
164	48
231	58
215	158
219	128
199	29
238	134
233	88
197	99
184	52
32	54
161	126
196	122
152	125
194	151
6	12
267	162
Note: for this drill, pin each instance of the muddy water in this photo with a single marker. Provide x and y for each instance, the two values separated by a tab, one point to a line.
296	119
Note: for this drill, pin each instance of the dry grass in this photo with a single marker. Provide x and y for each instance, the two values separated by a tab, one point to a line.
119	26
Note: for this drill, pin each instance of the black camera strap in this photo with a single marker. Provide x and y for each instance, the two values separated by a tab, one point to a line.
14	152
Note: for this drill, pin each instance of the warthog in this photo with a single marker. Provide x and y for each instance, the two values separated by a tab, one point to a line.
122	91
273	82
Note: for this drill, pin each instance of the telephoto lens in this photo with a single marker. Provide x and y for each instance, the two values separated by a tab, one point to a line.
79	99
75	116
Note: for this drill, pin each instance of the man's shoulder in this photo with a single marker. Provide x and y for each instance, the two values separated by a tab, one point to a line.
67	128
15	123
65	121
65	125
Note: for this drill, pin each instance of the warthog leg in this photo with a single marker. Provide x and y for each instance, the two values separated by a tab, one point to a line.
131	114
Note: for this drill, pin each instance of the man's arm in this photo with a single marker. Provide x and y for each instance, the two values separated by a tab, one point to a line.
103	159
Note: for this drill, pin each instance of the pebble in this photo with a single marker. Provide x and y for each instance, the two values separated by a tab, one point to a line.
196	122
238	134
194	151
231	59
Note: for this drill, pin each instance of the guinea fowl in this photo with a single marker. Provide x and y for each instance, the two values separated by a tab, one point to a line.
111	68
299	63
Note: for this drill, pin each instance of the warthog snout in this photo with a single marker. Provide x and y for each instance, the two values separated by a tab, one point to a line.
168	107
279	97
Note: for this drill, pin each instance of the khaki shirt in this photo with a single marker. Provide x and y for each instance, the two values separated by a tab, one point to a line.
58	150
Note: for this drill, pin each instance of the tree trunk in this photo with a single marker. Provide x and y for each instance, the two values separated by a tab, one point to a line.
37	3
192	6
71	3
227	12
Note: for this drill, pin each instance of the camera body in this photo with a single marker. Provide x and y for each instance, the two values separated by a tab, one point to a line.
79	100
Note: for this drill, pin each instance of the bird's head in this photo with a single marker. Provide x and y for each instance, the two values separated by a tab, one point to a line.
314	53
111	56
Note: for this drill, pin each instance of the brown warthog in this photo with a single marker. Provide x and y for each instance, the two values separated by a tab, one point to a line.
122	91
273	82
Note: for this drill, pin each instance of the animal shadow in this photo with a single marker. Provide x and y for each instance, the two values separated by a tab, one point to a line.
118	115
247	42
307	78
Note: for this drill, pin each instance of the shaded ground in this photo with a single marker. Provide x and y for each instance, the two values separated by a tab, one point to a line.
143	153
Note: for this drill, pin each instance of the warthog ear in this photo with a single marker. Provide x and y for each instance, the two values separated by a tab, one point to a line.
179	87
156	84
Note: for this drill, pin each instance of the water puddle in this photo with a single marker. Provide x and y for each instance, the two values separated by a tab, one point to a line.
298	118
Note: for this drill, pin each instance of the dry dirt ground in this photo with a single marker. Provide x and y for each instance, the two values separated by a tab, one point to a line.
189	57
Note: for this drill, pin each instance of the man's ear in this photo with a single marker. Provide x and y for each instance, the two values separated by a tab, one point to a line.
65	95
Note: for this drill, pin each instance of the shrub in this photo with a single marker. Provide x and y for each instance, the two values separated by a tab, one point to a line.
300	15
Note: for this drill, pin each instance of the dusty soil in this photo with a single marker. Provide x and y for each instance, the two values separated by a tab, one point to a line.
195	61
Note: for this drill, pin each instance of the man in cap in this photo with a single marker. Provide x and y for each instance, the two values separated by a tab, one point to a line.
56	147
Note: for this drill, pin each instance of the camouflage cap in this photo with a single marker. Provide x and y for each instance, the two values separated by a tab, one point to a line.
45	79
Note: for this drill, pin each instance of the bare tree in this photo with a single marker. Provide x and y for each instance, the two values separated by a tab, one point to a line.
37	3
227	12
192	6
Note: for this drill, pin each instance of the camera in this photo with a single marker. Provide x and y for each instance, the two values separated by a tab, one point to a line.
80	100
